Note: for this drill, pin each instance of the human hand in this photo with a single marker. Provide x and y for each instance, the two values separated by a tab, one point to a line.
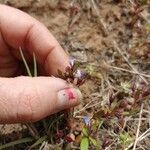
27	99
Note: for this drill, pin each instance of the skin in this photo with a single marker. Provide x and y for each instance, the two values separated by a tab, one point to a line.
26	99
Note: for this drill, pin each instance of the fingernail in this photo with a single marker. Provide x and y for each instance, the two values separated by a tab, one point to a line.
70	94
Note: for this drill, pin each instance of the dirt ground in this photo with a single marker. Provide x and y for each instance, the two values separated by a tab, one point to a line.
102	35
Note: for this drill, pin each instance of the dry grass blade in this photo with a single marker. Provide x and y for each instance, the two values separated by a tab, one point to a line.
25	62
30	126
133	72
39	141
35	65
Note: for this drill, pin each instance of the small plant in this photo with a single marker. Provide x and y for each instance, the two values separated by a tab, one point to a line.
89	134
124	102
72	74
125	139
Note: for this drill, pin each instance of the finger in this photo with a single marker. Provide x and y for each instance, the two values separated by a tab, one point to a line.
21	30
25	99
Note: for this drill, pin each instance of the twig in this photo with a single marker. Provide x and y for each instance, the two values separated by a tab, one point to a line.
136	119
138	129
125	70
146	111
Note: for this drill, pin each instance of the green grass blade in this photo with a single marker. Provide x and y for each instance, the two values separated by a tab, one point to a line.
54	121
35	65
39	141
25	62
20	141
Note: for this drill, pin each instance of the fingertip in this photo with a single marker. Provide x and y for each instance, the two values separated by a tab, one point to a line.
69	97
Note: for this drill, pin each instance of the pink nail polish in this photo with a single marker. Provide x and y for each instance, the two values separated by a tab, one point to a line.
70	94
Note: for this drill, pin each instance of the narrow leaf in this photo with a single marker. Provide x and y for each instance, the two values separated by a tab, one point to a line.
20	141
84	145
39	141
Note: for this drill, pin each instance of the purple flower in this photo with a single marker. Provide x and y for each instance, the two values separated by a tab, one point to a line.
72	61
79	74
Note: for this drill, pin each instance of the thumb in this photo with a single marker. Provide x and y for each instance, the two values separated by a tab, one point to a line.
26	99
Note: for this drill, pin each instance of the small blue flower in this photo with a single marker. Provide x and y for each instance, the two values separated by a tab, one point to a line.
86	120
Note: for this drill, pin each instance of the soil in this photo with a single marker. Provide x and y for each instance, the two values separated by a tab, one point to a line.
87	32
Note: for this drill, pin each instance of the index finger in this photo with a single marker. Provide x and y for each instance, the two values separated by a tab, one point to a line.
21	30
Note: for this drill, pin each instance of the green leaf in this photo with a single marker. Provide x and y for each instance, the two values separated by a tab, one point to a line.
93	141
84	145
147	26
68	147
89	69
85	131
76	65
114	105
125	138
126	87
97	124
144	2
20	141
